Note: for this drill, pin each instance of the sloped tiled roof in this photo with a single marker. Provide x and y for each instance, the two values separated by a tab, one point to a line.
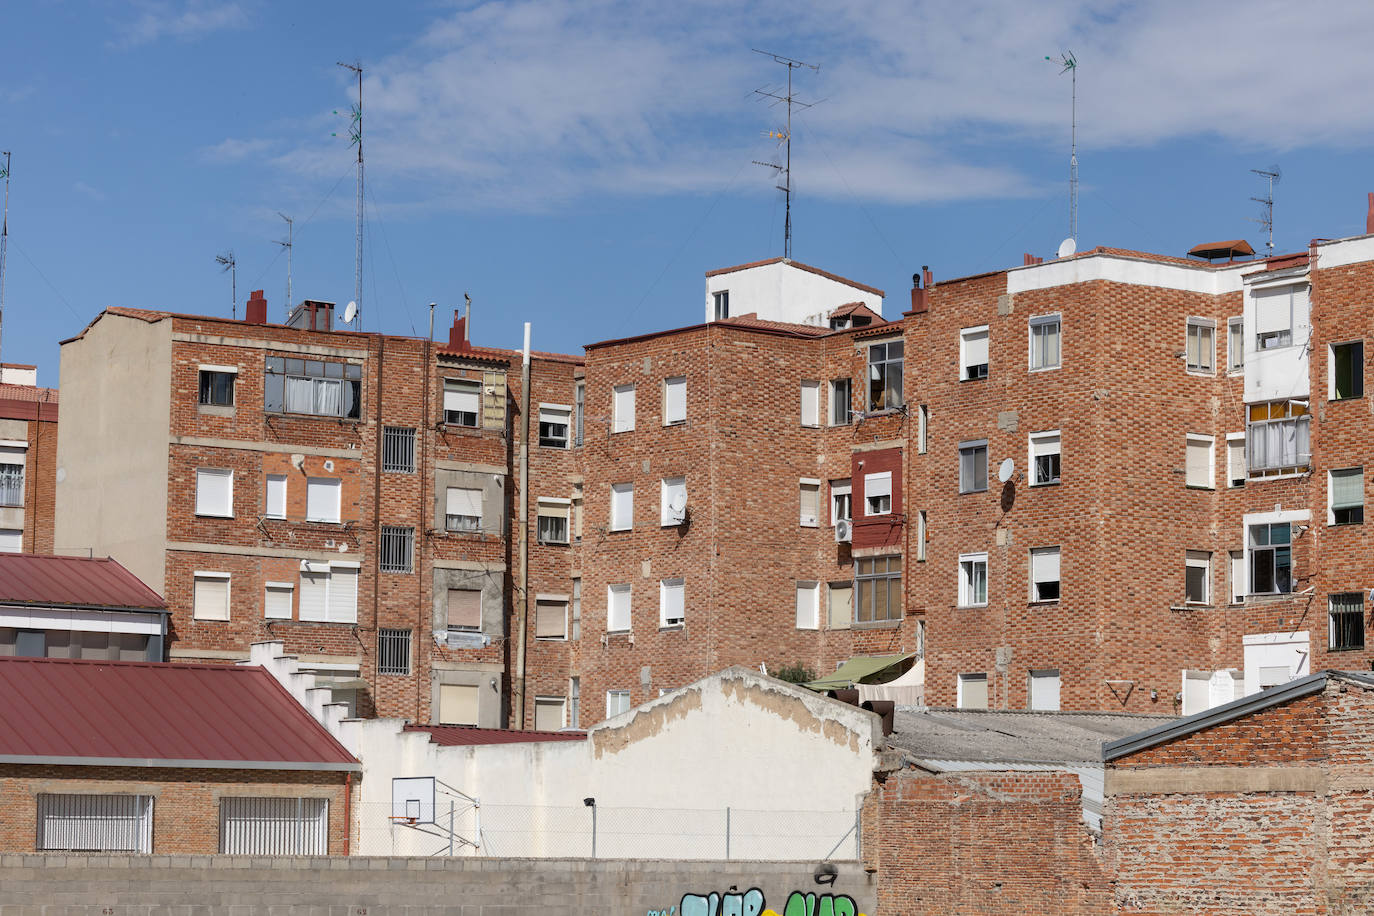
800	266
34	579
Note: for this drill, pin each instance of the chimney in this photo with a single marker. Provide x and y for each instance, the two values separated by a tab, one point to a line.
255	312
1369	216
1028	260
918	295
458	334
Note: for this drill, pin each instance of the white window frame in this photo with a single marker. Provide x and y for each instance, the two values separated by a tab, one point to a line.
1046	676
1035	323
808	605
1235	456
809	486
207	575
1194	327
1198	559
268	588
720	302
549	702
1044	444
1045	557
333	611
622	506
877	487
281	480
553	508
335	485
1198	440
973	445
623	409
841	495
1239	580
811	403
1258	440
462	389
273	825
1235	345
618	606
967	336
553	416
1331	621
968	579
923	429
666	619
617	702
1294	519
556	601
667	518
88	822
449	525
971	678
203	507
1331	494
921	523
841	403
1279	338
675	400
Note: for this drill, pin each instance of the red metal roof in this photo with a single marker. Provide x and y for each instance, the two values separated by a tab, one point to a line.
27	578
462	735
86	712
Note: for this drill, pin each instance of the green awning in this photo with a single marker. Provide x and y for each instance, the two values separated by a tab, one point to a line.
855	670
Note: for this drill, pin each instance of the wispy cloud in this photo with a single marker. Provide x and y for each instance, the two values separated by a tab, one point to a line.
183	21
86	190
235	150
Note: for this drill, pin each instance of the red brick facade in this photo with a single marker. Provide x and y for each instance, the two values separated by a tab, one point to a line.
29	414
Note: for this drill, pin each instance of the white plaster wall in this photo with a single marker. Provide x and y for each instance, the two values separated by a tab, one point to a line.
783	292
1280	373
1263	650
1132	271
1345	251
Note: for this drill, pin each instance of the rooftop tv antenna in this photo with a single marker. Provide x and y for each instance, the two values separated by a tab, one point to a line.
1266	217
355	136
288	245
228	263
4	240
784	135
1070	65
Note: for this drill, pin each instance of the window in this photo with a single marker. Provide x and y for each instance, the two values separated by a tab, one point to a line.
878	493
672	602
1197	577
462	509
1274	315
1200	456
275	501
1237	577
1044	570
841	409
1235	344
1347	370
462	402
94	823
217	386
1271	559
277	600
622	506
398	449
921	536
577	513
1235	459
552	521
554	420
397	549
1044	342
808	605
273	826
973	579
1346	497
393	651
551	617
973	691
12	459
810	403
841	610
1044	458
311	386
576	610
1201	345
1277	438
11	540
722	304
973	466
618	608
617	701
322	496
1044	689
879	584
673	501
840	505
923	429
548	713
580	409
1347	620
574	702
329	592
210	596
458	704
973	353
464	609
623	409
215	492
675	400
885	375
810	491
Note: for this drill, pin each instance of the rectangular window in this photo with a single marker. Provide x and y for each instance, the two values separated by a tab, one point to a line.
329	592
12	458
623	409
322	499
1347	370
1044	570
923	430
11	540
397	549
1347	620
94	823
675	400
398	449
973	580
921	536
672	501
810	403
1274	316
841	506
618	612
1235	459
465	609
973	466
577	513
885	375
808	605
617	702
622	506
554	420
878	493
551	521
276	496
1044	689
277	600
1044	458
548	713
462	402
672	602
721	301
574	702
1235	344
313	387
580	410
1277	438
1200	457
973	691
841	410
215	492
841	609
810	500
462	509
1345	489
576	610
551	618
1201	345
878	581
273	826
393	651
210	596
1271	559
458	704
1197	577
217	386
1044	342
973	353
1237	577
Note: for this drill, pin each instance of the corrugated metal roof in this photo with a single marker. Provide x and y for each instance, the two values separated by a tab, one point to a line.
1006	736
30	579
462	735
154	714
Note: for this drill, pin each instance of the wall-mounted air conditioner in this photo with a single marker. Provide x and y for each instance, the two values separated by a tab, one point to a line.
844	531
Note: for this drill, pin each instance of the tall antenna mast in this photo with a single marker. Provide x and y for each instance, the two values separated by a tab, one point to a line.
1266	217
785	136
1070	65
355	134
4	244
288	245
228	263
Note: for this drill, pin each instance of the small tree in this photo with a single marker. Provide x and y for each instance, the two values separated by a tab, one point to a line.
796	673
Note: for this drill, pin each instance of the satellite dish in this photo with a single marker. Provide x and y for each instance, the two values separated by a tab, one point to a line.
1006	470
1067	247
350	312
678	503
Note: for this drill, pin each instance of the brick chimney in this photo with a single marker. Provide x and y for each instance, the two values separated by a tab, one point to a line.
255	312
918	293
458	334
1369	216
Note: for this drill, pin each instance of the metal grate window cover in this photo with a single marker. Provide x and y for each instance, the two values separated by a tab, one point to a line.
398	449
398	549
95	823
393	651
274	826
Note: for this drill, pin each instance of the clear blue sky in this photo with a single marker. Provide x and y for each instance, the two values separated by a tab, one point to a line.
581	164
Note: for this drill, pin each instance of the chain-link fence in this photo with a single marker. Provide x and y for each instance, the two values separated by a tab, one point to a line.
552	831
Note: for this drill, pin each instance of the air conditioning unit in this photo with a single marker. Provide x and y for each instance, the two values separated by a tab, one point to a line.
844	531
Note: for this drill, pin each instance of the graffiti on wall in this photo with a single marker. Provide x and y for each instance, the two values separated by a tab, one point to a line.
753	903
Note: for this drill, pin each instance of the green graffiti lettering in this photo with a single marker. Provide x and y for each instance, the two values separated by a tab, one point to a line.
825	906
845	906
800	904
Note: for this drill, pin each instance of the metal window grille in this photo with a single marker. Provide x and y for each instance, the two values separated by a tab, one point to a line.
95	823
398	450
393	651
1347	621
398	549
11	485
274	826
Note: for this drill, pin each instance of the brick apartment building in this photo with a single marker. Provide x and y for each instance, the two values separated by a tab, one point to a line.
28	460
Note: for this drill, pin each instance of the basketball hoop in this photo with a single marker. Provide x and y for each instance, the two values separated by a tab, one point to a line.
403	819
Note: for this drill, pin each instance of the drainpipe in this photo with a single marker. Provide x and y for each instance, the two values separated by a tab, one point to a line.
377	526
523	600
421	541
348	812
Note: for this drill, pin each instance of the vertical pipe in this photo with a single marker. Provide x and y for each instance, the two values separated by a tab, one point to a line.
348	816
523	599
421	541
452	825
593	831
727	833
376	522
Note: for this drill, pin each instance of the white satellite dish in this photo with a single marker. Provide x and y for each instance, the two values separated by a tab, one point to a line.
350	312
1007	468
1067	247
678	503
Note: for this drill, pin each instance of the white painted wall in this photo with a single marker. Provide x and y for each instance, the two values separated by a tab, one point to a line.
782	291
1280	373
1275	650
1133	271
